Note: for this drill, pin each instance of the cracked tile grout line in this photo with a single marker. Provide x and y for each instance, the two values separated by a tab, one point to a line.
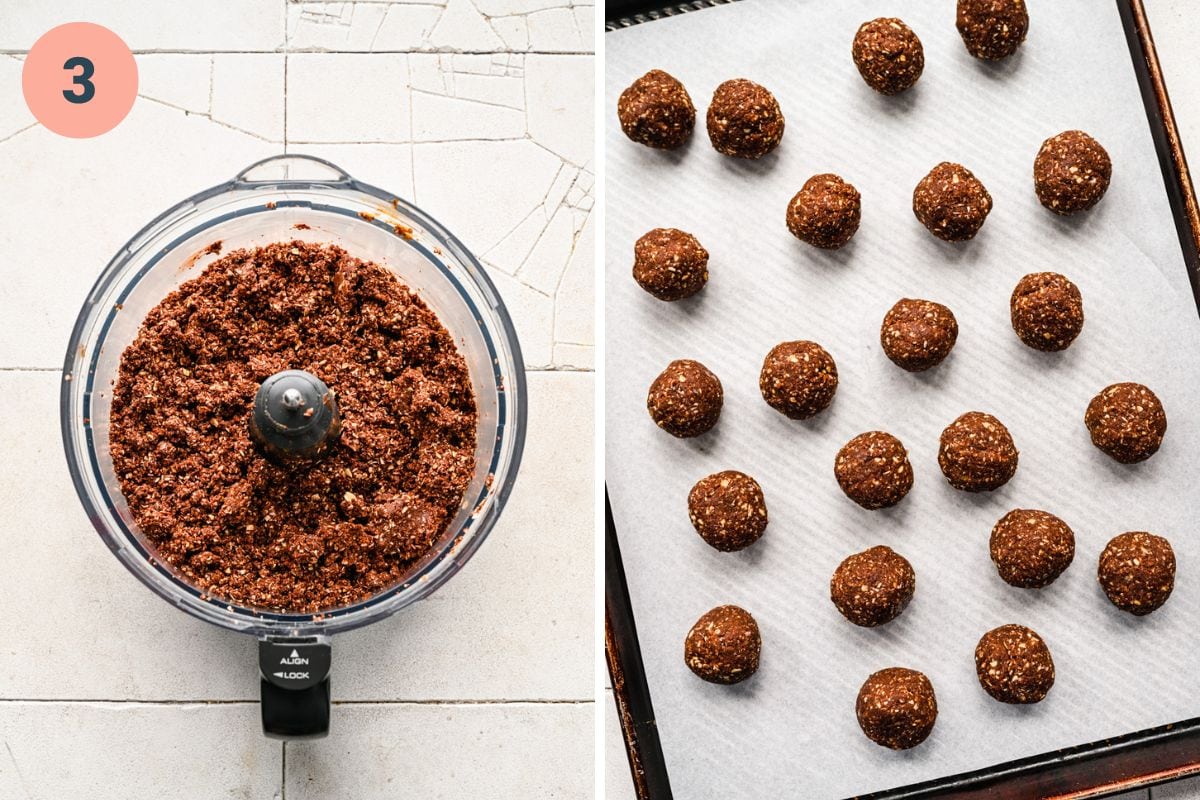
283	771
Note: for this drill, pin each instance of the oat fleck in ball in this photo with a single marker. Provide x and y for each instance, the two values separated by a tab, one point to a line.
657	111
728	510
825	212
977	453
951	202
897	708
871	588
686	399
1127	422
670	264
1031	548
918	334
798	379
1137	572
992	29
723	646
1071	172
1047	311
744	120
889	56
873	470
1014	665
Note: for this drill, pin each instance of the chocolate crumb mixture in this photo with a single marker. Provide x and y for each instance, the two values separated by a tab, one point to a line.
977	453
1031	548
723	646
917	335
1127	422
873	587
873	470
686	398
670	264
1071	172
992	29
1137	572
311	536
825	212
728	510
951	202
1014	665
897	708
744	120
1047	311
657	111
889	56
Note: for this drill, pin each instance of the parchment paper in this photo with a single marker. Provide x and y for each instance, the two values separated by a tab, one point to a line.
791	731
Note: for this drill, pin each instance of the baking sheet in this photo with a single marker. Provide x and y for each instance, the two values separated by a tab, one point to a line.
791	729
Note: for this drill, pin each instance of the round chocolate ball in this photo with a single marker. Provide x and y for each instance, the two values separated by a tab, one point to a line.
951	202
670	264
1031	548
1137	572
918	334
728	510
744	120
1014	665
897	708
723	646
825	212
1071	172
798	379
872	587
889	56
977	453
992	29
1047	311
1127	422
873	470
657	111
685	399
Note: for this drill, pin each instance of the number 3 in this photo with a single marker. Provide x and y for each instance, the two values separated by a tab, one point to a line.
87	89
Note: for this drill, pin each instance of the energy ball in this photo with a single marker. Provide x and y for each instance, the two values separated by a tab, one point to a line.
825	212
1137	572
1047	311
873	470
1014	665
897	708
670	264
1071	172
977	453
951	202
1127	422
723	646
657	111
744	120
992	29
727	509
686	399
872	587
798	379
1031	548
889	56
918	334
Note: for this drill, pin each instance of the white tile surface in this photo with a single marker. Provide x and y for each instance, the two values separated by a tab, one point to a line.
348	98
1186	789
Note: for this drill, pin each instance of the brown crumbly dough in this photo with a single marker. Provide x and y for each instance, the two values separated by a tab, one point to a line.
889	56
951	202
728	510
744	120
873	470
1137	572
798	379
1071	172
1047	311
977	453
918	334
897	708
825	212
685	399
670	264
657	111
723	646
302	537
1031	548
992	29
1014	665
871	588
1127	422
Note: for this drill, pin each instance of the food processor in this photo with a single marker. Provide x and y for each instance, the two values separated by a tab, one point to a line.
280	199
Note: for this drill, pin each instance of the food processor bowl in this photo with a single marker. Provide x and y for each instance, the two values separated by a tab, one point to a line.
280	199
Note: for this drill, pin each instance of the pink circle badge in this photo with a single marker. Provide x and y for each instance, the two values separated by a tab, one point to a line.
79	80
